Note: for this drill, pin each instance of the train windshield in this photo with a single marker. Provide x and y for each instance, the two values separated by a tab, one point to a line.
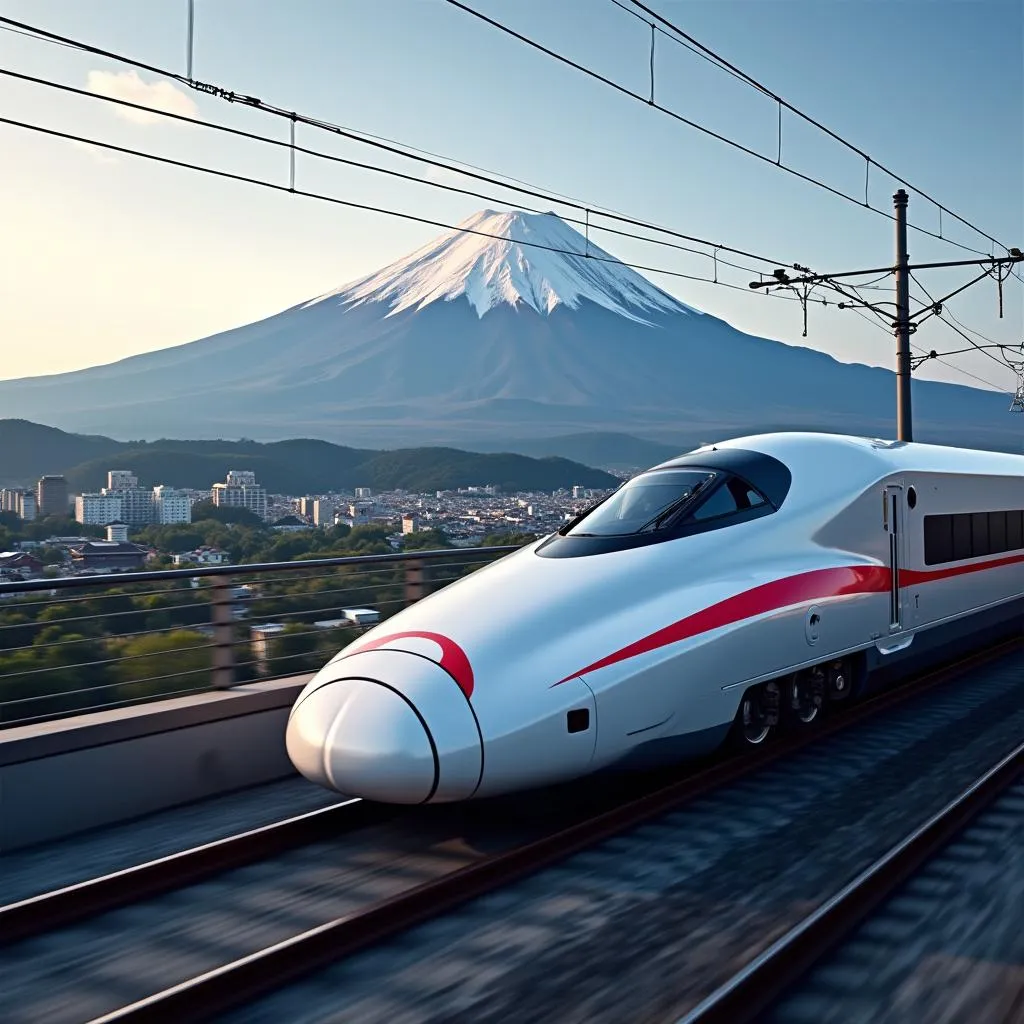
646	503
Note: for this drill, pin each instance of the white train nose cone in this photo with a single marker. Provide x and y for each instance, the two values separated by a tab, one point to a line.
388	726
364	739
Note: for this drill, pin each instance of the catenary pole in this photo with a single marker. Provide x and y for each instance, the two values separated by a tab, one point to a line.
904	417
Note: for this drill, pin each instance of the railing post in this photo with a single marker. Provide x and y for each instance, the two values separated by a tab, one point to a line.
223	632
413	581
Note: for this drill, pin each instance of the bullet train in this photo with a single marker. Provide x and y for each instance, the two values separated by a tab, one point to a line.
722	595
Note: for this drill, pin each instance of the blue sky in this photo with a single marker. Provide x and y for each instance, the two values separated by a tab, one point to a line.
105	256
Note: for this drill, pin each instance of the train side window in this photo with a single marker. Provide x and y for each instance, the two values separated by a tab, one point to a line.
938	539
979	534
996	532
950	538
1014	530
962	536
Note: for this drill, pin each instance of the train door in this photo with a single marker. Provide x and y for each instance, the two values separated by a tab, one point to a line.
893	520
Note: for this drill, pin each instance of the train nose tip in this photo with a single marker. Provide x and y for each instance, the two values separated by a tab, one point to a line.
363	739
387	725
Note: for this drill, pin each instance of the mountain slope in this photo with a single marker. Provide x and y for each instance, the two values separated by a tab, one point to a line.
532	259
298	466
30	450
475	340
605	450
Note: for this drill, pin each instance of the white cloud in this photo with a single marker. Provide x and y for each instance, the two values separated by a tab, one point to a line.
126	85
100	155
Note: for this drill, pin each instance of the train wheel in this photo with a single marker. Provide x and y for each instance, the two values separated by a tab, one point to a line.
807	695
758	714
839	681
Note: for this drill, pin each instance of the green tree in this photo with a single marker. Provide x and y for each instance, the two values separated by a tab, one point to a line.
224	514
495	540
161	663
426	540
51	555
294	650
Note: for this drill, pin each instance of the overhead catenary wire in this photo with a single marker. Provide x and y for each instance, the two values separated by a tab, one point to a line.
882	324
397	149
985	338
1005	363
683	38
456	165
938	357
704	129
362	165
35	34
516	185
351	204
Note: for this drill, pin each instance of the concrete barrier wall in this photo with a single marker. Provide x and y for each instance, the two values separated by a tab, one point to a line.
59	778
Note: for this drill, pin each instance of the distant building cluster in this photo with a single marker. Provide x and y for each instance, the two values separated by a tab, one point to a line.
51	496
464	515
204	555
124	501
21	503
240	490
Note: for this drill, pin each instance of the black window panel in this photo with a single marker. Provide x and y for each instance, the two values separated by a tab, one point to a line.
1015	530
720	503
962	536
938	539
979	534
996	532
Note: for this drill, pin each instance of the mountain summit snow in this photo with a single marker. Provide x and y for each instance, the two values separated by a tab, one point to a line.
512	257
504	328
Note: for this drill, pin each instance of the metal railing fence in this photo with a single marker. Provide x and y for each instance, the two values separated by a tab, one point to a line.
71	645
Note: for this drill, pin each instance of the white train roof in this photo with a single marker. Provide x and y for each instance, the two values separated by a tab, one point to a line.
804	450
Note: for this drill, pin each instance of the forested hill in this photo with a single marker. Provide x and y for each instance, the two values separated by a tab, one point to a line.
300	466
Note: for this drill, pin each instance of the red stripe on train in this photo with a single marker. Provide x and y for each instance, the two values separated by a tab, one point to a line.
911	577
453	658
805	587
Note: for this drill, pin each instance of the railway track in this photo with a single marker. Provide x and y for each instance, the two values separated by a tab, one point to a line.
251	976
62	907
946	945
750	992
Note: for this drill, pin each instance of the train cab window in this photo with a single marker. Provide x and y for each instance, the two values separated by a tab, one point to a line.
721	503
644	504
702	492
732	496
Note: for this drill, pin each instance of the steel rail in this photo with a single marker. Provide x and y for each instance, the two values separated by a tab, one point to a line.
753	989
48	911
248	978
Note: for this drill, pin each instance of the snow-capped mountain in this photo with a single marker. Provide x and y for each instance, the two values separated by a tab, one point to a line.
475	338
512	257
